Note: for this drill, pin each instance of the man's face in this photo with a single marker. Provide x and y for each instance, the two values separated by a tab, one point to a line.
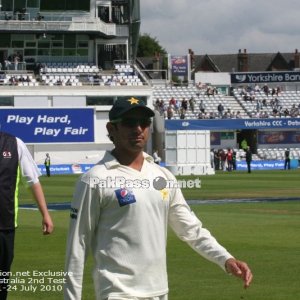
131	132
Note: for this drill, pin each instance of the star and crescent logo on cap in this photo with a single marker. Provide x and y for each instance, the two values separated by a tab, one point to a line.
133	101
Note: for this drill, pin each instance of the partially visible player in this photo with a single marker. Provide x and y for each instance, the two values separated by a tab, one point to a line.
16	161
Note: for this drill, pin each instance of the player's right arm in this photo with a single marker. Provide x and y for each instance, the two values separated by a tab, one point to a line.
83	220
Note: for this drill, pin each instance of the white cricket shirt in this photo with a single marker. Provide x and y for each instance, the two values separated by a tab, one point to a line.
29	169
126	230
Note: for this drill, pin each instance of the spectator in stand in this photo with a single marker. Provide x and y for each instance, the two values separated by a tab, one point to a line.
192	104
258	105
256	114
184	104
247	97
229	113
226	115
177	106
172	102
277	104
273	92
202	106
212	115
272	103
220	110
156	104
200	115
164	108
264	102
275	113
16	61
294	111
7	64
233	115
200	86
182	113
161	107
286	112
238	115
278	91
208	91
170	112
266	90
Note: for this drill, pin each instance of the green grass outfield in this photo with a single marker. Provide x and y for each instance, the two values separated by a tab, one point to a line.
265	234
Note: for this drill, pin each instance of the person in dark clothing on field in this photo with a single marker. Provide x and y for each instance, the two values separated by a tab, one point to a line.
287	161
234	160
248	159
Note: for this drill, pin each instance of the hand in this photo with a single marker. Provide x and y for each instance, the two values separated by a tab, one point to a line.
239	269
47	225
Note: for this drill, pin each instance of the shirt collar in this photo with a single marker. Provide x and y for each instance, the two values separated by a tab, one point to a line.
111	162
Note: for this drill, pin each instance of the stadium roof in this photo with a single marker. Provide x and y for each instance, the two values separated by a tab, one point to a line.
253	62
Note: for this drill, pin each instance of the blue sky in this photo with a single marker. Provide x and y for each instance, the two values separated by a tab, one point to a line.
223	26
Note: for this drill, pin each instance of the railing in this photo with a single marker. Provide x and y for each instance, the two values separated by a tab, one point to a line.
14	66
75	24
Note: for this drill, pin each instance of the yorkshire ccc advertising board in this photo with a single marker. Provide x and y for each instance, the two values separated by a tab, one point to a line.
53	125
234	124
264	77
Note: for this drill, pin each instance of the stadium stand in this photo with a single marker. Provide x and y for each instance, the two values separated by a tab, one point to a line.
20	80
68	68
262	105
286	104
277	153
211	102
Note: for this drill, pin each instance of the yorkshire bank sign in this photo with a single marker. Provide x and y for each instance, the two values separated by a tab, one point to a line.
265	77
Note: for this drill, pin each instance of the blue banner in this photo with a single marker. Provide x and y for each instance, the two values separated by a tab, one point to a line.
265	165
278	137
221	124
265	77
66	169
179	65
42	125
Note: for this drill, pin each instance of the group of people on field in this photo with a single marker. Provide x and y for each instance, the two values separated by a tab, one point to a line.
224	159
